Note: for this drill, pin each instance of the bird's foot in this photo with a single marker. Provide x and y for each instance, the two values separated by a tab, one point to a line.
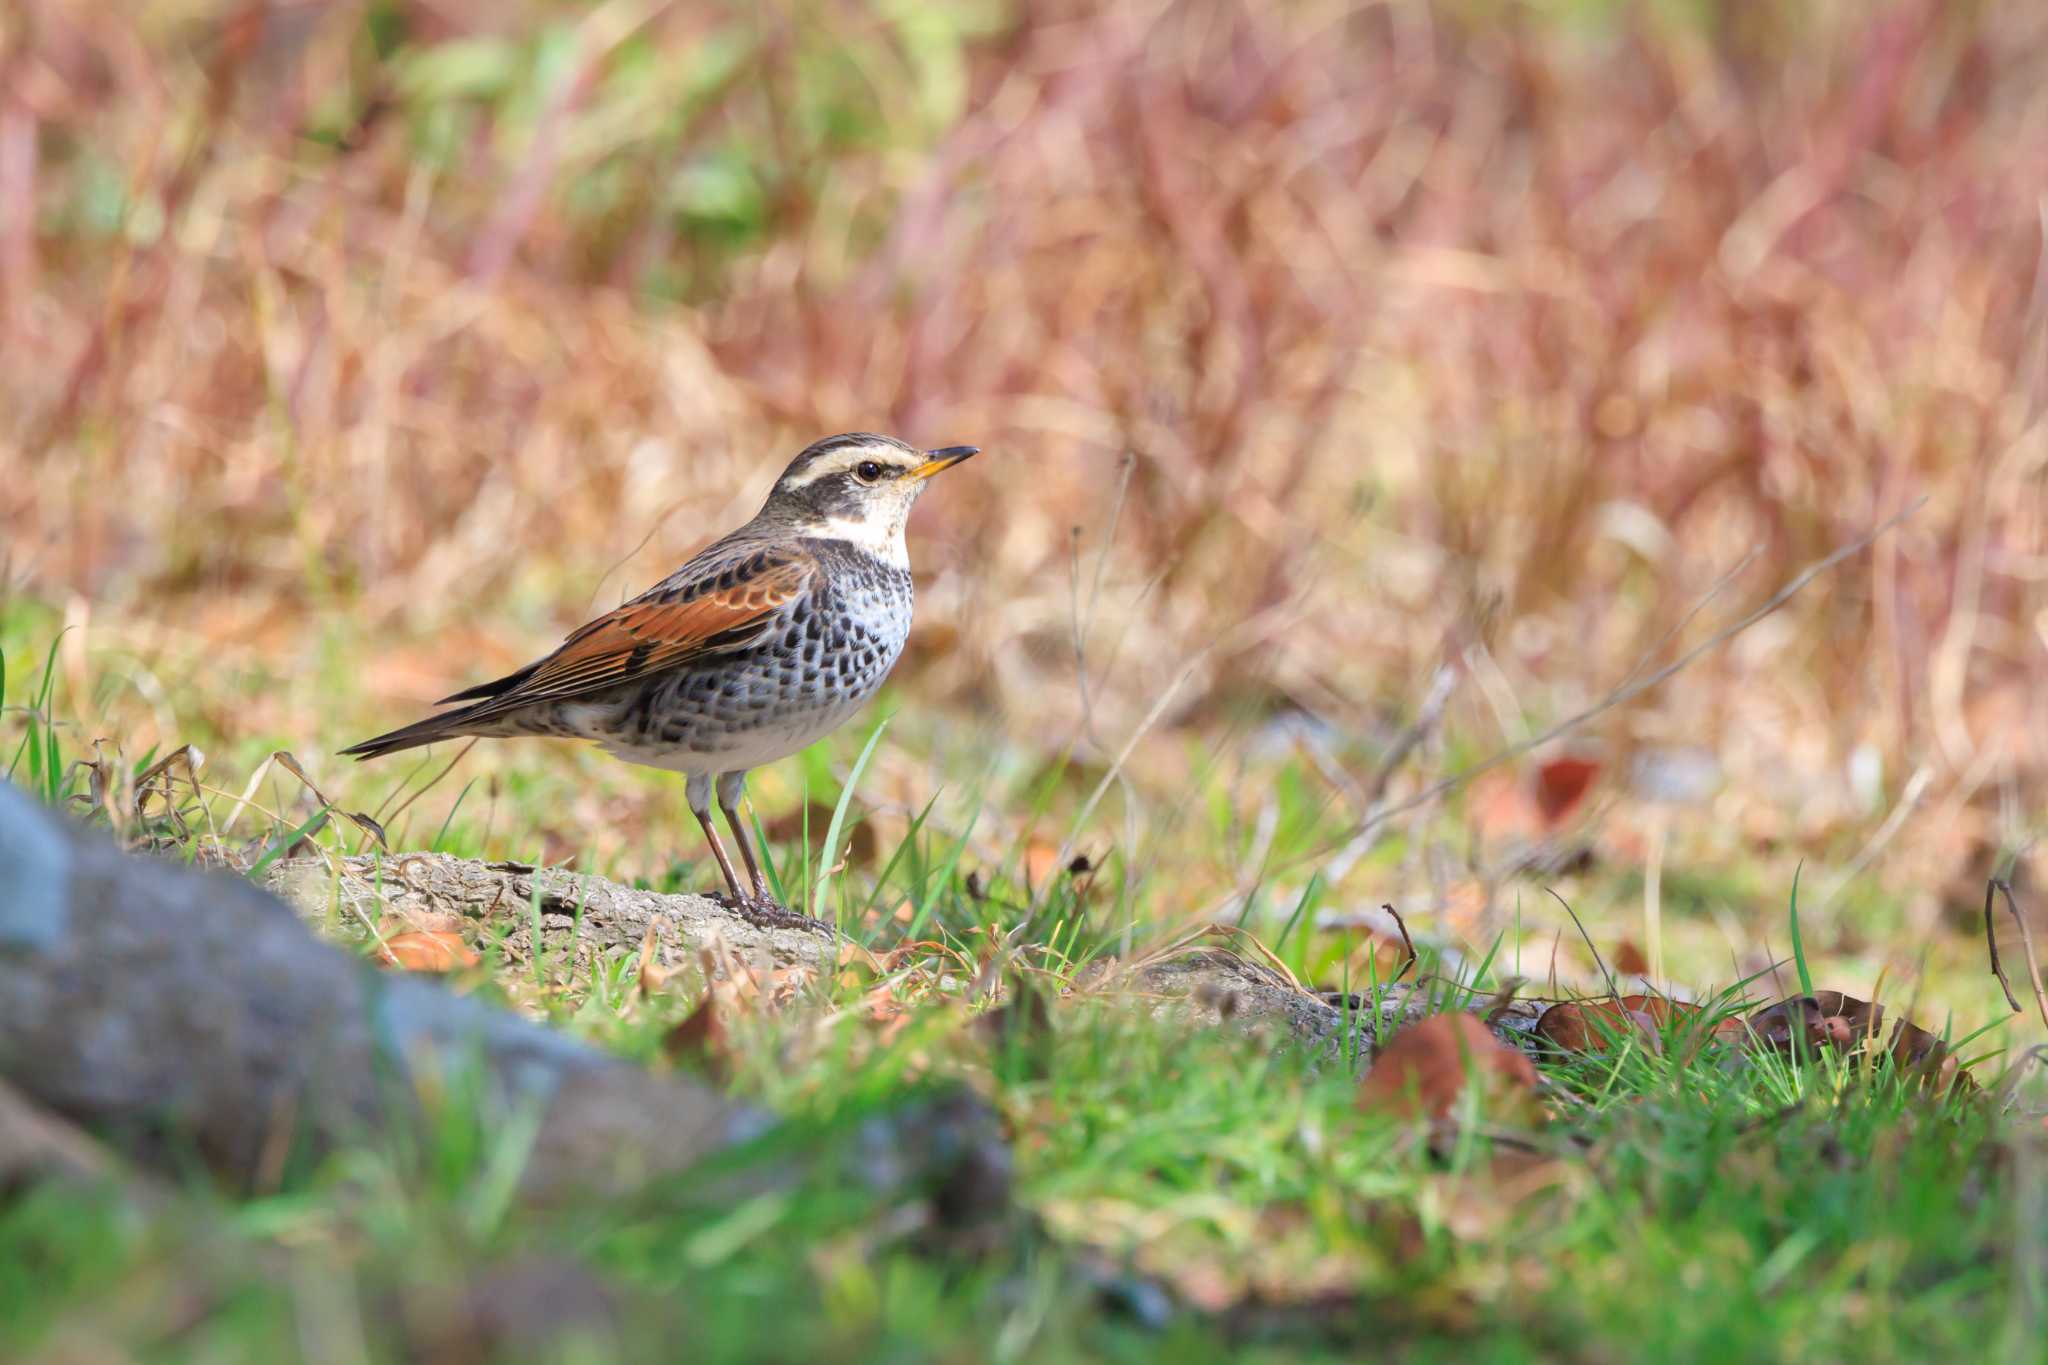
765	912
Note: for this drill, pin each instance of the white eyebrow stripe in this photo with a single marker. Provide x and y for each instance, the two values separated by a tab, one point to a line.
840	461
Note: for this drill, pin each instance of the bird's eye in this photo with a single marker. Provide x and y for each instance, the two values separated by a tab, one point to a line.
867	471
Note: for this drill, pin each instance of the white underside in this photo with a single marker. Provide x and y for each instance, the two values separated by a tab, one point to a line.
747	751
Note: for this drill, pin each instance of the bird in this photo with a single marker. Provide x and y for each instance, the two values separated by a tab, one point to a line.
764	642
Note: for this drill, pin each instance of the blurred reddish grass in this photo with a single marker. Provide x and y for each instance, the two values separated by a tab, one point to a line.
1452	331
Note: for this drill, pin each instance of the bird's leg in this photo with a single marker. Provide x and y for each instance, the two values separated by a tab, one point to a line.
698	793
762	909
731	787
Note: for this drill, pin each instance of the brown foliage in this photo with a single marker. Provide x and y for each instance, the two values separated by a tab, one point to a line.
1592	1025
1428	1065
1417	323
1824	1020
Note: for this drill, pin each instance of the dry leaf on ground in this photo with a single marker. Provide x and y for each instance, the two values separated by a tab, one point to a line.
1561	787
1425	1069
700	1040
436	950
1851	1026
1594	1025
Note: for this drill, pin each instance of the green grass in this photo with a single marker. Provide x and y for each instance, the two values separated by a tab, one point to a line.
1181	1196
1686	1211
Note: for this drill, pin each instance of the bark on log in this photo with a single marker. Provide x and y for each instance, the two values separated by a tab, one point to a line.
1212	986
190	1009
581	917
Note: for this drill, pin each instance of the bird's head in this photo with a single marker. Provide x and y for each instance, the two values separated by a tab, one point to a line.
858	487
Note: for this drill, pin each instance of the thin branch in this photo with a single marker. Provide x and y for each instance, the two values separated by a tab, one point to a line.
1991	942
1426	718
1406	942
1499	1003
1612	989
1713	591
432	782
1636	689
2027	943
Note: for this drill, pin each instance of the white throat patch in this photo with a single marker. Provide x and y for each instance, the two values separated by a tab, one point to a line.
884	542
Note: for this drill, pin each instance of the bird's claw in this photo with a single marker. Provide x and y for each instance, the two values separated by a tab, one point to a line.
765	912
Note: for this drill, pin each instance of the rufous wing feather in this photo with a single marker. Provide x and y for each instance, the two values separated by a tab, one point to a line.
664	629
655	633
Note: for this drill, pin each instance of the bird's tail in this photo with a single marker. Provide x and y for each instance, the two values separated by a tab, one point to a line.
432	730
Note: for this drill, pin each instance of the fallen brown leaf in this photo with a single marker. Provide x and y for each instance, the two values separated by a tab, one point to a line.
1629	959
1424	1071
700	1040
1593	1025
1851	1026
652	975
1561	787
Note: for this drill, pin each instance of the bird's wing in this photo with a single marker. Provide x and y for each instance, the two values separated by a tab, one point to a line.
726	606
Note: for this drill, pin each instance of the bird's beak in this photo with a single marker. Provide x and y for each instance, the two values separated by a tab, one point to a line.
936	460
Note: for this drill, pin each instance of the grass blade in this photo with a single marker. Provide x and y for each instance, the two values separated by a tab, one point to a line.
1798	945
839	811
283	843
442	832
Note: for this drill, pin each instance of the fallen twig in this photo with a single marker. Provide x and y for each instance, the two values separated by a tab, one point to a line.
2027	942
1426	718
1406	942
1991	942
1612	989
1630	691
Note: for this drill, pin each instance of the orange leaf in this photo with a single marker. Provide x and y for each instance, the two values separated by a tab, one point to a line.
1041	861
428	950
1501	810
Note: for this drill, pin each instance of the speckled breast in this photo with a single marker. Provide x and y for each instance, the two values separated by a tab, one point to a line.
796	684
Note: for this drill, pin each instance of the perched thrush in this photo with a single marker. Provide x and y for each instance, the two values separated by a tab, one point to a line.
763	643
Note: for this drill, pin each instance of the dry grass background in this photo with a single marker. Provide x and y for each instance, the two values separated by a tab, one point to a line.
361	348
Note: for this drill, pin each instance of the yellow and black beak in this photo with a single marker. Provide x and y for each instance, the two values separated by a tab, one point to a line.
946	458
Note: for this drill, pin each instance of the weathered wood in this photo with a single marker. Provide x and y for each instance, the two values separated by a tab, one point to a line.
581	917
1216	987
